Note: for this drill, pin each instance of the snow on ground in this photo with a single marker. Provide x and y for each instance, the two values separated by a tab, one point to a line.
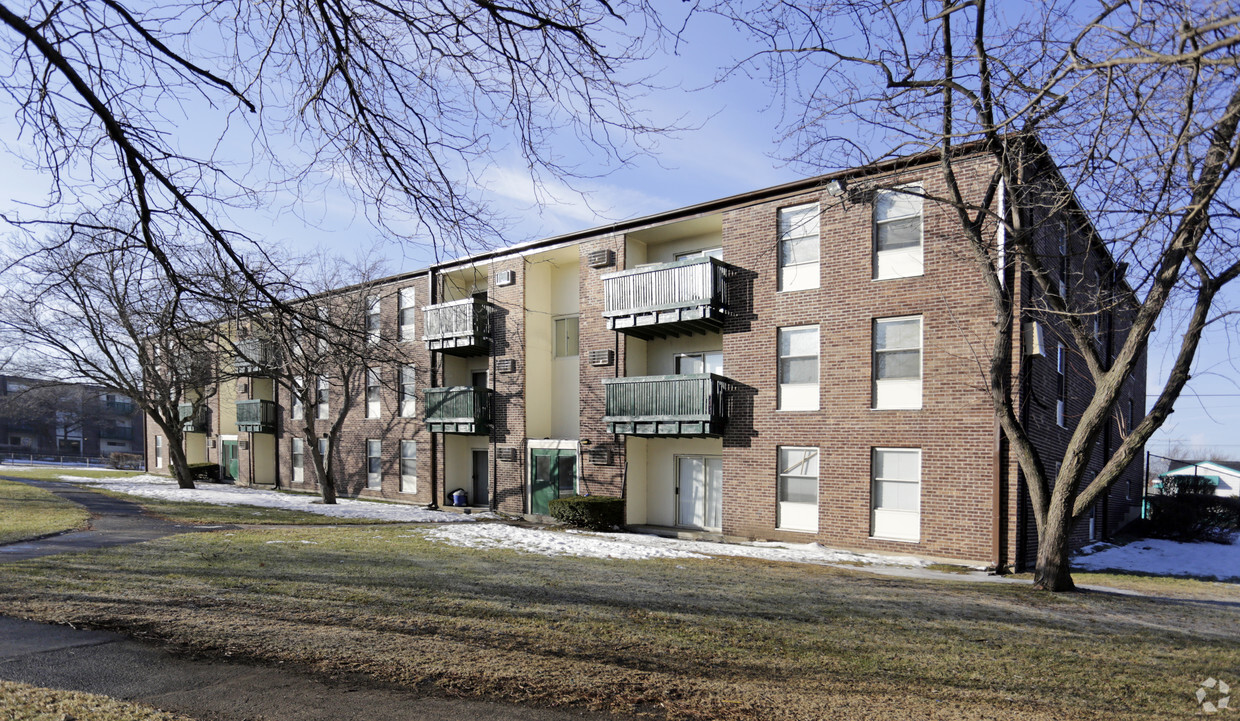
634	546
1165	558
218	494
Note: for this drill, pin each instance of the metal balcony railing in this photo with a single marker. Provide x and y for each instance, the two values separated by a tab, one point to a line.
192	423
459	409
670	299
680	405
256	357
461	327
256	416
117	433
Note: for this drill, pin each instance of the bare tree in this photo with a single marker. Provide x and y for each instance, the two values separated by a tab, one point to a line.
1132	107
404	105
99	309
66	410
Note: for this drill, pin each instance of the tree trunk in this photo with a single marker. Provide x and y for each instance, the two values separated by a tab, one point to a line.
1052	571
328	488
180	466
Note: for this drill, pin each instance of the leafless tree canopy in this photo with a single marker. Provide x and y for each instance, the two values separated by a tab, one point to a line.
1129	106
178	112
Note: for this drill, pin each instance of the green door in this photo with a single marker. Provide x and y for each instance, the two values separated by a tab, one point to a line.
230	459
553	473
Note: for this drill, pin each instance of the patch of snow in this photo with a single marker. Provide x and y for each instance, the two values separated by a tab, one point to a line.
1165	558
219	494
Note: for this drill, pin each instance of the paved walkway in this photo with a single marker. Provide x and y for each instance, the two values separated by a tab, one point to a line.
113	665
113	522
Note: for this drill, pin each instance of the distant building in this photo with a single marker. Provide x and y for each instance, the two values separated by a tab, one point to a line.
1224	474
48	417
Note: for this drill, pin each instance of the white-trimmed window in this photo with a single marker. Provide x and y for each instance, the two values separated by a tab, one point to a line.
299	460
797	495
159	451
1061	387
716	253
898	233
1061	227
372	393
407	313
374	463
567	339
321	397
408	467
897	362
408	391
324	450
372	319
798	368
297	409
896	493
703	362
799	247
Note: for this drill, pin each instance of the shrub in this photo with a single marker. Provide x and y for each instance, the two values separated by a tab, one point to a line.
204	471
597	513
124	461
1188	510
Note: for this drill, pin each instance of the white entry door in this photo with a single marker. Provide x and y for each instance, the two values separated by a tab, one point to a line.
699	492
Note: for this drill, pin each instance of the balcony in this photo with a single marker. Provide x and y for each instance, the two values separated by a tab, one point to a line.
117	433
666	406
256	357
465	410
120	408
462	327
670	299
191	423
257	416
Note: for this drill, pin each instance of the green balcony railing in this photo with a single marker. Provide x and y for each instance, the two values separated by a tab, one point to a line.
192	423
116	433
461	327
256	416
256	357
681	405
120	408
459	409
670	299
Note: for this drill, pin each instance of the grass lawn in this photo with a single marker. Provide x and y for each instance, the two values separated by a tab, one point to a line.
682	639
29	512
21	701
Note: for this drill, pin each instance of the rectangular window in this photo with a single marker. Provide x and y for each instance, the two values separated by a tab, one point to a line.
797	495
897	363
896	493
321	397
798	368
798	247
408	391
705	362
1062	229
299	460
1061	390
716	253
566	336
324	450
374	460
372	393
898	233
407	313
159	451
298	409
408	467
372	319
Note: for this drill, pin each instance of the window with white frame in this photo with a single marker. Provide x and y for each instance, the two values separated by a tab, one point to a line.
408	312
374	461
896	493
566	336
408	391
703	362
299	460
372	393
1061	389
1061	227
898	233
716	253
799	247
798	368
897	362
159	451
372	319
408	467
797	495
321	397
298	409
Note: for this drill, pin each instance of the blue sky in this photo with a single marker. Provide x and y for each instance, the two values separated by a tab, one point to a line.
728	150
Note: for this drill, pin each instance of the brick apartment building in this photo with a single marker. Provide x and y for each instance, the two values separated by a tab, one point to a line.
49	418
799	363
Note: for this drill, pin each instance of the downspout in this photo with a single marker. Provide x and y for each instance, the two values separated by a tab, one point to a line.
998	516
492	502
434	504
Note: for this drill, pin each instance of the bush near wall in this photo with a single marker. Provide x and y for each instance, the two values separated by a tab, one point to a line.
1188	510
124	461
204	471
596	513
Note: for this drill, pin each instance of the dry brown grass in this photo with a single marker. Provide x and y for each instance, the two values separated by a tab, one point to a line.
31	703
29	512
704	639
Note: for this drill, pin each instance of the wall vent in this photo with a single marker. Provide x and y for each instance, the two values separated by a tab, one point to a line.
506	277
600	456
505	365
506	454
600	258
602	357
